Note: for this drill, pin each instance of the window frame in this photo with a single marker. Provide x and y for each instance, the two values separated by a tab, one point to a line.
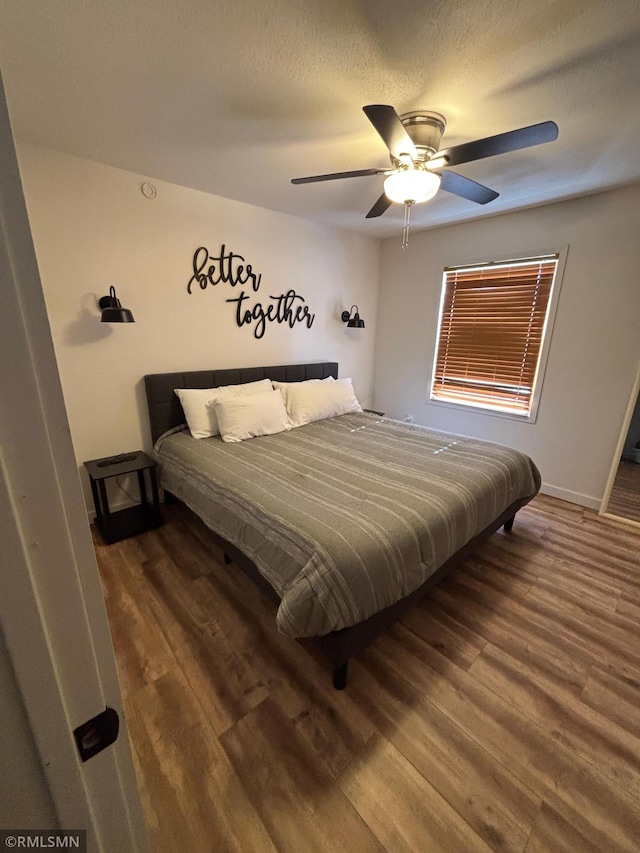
487	409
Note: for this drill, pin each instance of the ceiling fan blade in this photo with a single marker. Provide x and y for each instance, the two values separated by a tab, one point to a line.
334	176
525	137
386	121
457	184
379	207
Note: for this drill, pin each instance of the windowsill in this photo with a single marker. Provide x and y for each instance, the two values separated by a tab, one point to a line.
524	418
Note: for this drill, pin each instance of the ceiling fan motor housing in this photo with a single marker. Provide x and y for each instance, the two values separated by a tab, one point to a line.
425	129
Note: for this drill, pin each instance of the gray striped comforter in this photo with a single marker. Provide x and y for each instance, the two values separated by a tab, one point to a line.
345	516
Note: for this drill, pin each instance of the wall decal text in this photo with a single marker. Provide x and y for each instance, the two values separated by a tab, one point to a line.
231	268
226	267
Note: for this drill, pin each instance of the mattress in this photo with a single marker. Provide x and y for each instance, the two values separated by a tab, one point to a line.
345	516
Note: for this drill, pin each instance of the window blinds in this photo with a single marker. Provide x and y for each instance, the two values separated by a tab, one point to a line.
491	328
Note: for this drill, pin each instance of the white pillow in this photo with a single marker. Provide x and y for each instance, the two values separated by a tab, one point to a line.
281	385
198	404
306	402
245	417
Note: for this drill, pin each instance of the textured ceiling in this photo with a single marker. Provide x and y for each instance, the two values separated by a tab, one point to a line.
236	97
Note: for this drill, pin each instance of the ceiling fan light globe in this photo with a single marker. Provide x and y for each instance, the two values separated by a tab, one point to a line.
411	186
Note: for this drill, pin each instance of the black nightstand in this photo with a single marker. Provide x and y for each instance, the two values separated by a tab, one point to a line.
130	521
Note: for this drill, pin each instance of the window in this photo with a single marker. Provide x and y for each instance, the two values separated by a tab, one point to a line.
491	331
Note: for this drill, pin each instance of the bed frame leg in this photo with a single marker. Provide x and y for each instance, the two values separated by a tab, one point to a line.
340	676
508	525
226	559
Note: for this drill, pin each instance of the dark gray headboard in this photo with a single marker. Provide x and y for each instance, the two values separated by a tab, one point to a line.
165	410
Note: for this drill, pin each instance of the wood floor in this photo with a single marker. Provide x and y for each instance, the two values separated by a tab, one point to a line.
503	713
625	494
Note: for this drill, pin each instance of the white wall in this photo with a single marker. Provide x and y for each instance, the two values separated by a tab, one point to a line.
595	348
93	228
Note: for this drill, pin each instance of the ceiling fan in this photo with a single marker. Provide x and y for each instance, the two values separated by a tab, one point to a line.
413	140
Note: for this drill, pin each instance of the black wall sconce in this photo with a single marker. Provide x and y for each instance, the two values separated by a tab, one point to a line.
353	322
112	311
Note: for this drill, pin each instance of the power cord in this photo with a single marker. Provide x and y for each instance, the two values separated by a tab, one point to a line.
122	489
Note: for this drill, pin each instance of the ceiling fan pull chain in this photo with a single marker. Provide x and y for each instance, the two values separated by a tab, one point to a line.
405	227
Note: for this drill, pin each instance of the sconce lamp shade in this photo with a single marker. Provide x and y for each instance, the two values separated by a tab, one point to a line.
353	322
112	311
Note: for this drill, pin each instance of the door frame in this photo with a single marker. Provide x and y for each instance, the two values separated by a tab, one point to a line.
633	399
52	612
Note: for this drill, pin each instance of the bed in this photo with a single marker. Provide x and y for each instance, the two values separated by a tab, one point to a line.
346	521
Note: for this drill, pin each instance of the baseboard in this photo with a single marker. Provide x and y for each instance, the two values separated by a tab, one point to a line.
571	497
